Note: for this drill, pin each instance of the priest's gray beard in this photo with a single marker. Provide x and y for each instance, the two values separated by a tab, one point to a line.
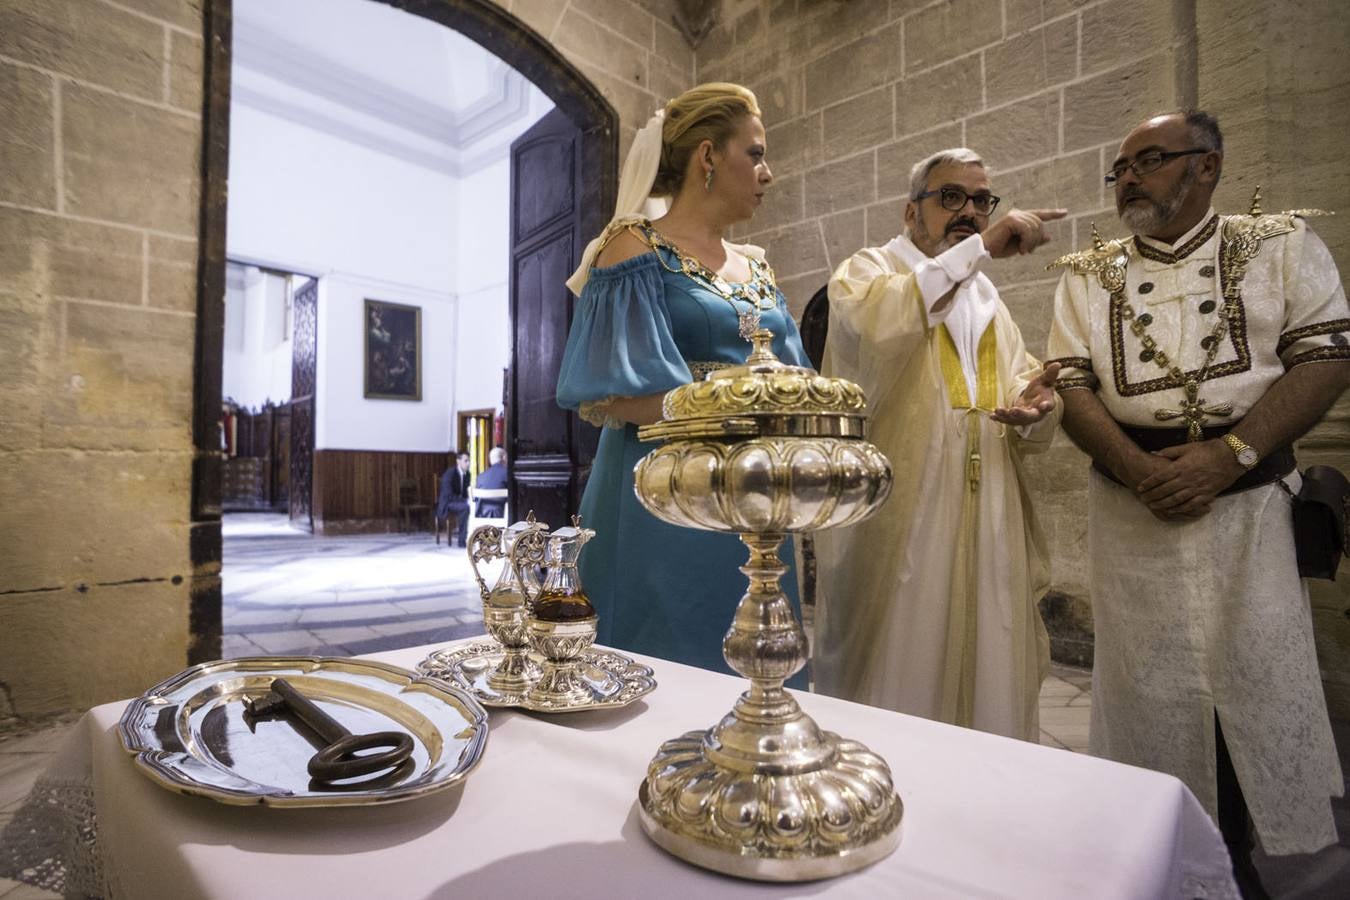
948	239
1154	216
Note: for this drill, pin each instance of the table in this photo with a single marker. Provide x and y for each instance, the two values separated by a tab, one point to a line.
551	812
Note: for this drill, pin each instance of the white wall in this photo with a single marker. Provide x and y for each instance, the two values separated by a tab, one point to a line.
370	225
484	317
309	202
311	197
257	363
344	418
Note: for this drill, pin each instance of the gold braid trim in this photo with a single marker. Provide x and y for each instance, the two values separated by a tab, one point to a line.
1240	243
1181	252
1328	353
1294	335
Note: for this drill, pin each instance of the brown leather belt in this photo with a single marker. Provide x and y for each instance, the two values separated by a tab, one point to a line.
1272	467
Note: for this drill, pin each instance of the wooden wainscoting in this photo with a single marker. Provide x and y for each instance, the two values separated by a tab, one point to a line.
356	491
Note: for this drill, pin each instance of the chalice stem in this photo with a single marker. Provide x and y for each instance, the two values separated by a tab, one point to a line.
766	643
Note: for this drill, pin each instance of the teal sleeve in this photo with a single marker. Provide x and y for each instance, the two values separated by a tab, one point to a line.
620	343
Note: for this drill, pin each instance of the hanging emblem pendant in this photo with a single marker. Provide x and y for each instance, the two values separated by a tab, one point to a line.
749	323
1193	410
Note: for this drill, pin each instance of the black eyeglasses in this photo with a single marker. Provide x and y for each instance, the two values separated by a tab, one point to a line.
1145	163
953	199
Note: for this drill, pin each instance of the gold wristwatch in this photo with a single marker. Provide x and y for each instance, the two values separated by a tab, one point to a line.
1246	454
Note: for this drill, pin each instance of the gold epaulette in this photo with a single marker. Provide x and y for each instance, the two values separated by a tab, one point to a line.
1104	255
1255	225
1086	262
1260	226
1287	216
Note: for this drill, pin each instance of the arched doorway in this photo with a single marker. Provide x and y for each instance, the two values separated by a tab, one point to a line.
554	450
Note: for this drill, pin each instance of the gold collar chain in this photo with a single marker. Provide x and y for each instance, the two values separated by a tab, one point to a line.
1193	408
1160	357
759	291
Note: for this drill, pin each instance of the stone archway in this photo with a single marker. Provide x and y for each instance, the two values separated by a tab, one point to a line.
483	22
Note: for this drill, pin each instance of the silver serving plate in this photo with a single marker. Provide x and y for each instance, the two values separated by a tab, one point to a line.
188	734
613	679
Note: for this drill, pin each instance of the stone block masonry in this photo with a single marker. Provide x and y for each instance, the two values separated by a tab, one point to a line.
1044	90
100	187
99	212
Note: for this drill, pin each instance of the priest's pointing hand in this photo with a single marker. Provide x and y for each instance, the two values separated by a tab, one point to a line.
1036	402
1020	231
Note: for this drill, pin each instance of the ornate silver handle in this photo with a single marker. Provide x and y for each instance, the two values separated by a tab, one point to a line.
485	544
529	551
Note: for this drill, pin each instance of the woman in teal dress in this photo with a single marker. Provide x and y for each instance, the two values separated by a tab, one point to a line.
664	302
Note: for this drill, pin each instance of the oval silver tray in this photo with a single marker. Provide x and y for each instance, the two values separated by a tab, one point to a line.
189	734
614	679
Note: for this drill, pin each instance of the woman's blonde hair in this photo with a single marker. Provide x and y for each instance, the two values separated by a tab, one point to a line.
709	112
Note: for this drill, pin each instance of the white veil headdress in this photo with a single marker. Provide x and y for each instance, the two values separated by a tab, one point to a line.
635	186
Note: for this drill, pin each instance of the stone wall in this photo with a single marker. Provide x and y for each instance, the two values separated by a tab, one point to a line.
100	156
855	92
629	49
98	221
1278	76
99	194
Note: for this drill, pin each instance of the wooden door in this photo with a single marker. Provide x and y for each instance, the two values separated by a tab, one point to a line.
549	449
304	357
281	457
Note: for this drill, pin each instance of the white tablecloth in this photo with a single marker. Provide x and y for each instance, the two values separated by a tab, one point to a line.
551	812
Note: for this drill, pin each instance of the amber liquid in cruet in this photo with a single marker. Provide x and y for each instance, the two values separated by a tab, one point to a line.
559	606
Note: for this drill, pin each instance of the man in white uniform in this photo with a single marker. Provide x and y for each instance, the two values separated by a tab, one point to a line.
1193	356
929	606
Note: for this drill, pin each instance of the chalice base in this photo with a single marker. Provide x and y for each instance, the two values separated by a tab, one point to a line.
560	685
837	815
515	673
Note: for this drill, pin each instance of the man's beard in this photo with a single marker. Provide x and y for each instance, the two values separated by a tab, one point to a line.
1155	215
948	240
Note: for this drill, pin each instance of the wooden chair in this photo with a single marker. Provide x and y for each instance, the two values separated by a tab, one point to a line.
476	494
410	504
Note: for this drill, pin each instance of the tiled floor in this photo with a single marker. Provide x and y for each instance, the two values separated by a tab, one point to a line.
286	592
23	757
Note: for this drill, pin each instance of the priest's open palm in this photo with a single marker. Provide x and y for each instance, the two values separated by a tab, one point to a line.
1036	402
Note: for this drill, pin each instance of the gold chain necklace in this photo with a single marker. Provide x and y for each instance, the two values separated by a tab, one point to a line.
1193	408
758	291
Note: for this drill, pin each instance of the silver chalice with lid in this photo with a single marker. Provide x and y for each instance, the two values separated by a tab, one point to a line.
763	450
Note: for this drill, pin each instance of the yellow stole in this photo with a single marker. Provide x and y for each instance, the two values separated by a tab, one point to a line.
958	682
986	378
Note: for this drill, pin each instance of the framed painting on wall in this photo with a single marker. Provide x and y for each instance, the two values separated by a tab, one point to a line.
393	351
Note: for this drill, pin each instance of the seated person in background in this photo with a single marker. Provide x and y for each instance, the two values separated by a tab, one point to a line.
454	497
492	478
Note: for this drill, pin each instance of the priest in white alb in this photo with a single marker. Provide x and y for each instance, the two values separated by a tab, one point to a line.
929	606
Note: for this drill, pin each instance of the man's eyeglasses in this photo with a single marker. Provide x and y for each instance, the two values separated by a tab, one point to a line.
953	199
1148	162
